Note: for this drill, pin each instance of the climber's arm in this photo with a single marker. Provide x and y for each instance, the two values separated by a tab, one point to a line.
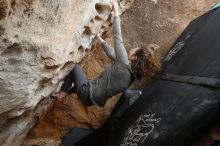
110	52
120	51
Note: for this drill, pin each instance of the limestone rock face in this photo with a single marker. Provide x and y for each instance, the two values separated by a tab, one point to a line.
39	43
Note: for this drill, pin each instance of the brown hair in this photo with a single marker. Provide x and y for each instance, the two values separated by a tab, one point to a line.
145	65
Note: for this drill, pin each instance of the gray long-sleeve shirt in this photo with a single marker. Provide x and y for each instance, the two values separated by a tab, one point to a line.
116	78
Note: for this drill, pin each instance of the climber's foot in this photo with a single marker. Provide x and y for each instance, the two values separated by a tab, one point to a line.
58	95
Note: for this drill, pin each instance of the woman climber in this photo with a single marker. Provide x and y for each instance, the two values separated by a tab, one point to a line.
114	79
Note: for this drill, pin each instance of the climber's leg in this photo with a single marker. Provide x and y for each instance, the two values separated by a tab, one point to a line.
72	90
77	77
81	85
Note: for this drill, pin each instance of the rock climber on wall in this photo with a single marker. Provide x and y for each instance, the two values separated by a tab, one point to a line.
117	77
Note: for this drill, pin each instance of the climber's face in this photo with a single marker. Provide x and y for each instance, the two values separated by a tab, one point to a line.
132	54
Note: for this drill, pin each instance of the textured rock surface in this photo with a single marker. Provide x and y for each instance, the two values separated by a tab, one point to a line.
41	40
157	23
